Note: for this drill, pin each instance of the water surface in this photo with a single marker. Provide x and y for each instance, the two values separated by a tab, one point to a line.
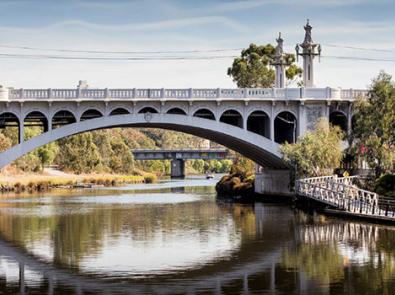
175	237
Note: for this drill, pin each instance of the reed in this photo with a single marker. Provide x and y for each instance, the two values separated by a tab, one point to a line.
34	183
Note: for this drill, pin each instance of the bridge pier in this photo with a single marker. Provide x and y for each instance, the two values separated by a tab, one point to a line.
177	168
273	182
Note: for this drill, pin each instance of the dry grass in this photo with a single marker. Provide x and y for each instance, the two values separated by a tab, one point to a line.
36	182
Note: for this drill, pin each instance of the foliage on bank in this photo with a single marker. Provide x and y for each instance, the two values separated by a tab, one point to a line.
373	136
240	181
316	153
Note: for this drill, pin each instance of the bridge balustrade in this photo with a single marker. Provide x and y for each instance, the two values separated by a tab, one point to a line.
206	93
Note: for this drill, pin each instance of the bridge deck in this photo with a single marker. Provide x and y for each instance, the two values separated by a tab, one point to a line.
181	154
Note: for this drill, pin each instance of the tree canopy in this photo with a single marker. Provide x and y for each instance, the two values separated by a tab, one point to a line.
252	68
316	153
374	125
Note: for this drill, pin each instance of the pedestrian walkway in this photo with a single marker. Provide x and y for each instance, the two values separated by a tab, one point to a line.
342	196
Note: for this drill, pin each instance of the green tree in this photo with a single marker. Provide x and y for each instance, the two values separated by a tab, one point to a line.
47	153
78	153
317	152
122	158
374	125
252	68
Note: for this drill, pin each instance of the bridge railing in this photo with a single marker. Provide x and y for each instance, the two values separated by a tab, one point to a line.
341	194
200	93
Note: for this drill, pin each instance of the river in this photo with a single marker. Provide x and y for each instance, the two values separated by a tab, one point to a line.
175	237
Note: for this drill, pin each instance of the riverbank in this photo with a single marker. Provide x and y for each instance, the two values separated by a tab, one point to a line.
38	182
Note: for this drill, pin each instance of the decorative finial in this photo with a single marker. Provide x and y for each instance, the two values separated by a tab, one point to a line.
308	21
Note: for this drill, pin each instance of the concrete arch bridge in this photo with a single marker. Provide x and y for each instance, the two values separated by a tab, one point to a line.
252	122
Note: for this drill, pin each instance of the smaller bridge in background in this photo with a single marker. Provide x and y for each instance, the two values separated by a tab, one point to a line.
178	157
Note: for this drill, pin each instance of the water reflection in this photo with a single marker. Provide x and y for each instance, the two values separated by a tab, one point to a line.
159	241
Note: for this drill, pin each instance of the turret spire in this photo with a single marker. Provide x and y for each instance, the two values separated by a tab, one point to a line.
309	51
279	63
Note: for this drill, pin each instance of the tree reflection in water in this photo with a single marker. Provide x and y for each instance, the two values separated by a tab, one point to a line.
222	247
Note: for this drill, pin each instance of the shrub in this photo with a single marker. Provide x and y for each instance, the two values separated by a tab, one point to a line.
385	185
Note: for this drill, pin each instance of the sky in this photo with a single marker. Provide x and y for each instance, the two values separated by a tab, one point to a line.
179	25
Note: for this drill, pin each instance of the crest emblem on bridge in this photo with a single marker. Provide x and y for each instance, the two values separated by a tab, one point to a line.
148	117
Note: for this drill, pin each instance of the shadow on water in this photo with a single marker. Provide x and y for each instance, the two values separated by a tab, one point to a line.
181	240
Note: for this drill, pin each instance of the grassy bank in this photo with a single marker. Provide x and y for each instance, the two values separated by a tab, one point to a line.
34	183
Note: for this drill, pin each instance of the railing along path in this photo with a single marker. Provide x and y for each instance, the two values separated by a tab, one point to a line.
341	193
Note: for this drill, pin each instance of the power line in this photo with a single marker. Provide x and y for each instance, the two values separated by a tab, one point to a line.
39	56
358	58
159	58
170	51
118	52
360	48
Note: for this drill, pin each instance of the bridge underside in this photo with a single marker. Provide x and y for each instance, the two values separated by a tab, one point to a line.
251	145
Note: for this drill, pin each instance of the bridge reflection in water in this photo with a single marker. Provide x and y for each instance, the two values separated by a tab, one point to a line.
276	251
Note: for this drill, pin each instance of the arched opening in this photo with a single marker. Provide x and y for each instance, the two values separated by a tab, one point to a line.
285	128
119	111
338	119
63	118
259	123
148	110
35	120
9	126
257	148
205	114
176	111
90	114
232	117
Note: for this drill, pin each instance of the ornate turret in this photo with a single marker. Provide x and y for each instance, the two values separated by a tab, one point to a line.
279	63
309	51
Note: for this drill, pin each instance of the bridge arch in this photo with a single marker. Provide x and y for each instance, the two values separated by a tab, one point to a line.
63	117
259	149
338	118
151	109
8	117
204	113
36	119
259	122
176	111
10	120
285	126
119	111
232	117
90	114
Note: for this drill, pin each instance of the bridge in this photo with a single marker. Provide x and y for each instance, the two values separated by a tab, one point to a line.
343	197
251	121
178	157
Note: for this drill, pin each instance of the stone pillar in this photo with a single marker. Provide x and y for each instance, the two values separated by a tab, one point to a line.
301	124
349	119
21	278
271	119
21	132
177	168
273	182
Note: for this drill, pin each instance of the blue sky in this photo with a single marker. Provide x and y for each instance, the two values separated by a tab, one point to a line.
121	25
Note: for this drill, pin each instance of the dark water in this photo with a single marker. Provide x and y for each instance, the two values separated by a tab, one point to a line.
176	238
